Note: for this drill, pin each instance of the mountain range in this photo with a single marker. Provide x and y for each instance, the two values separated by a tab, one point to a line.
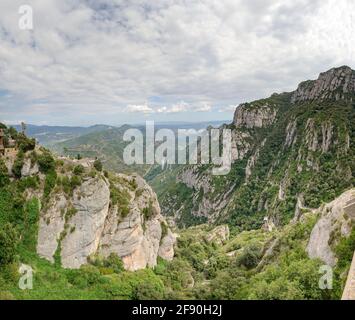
91	227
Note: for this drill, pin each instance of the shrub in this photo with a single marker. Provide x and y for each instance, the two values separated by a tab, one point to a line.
18	164
50	183
24	143
46	162
164	230
98	165
114	262
249	257
78	170
4	174
149	291
148	212
75	181
8	244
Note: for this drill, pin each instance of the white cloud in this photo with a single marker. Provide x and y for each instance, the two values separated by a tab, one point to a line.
95	58
133	108
230	108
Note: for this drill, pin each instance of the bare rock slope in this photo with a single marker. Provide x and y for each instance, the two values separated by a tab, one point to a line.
118	215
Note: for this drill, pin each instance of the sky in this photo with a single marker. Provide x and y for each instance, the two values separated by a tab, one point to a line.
87	62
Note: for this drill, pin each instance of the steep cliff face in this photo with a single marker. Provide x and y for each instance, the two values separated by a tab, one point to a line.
289	152
254	116
119	214
337	83
142	234
333	224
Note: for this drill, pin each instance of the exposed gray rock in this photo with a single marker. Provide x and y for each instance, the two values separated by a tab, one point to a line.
166	249
219	235
91	201
29	170
136	240
254	117
333	84
332	220
51	225
252	161
93	227
240	144
291	133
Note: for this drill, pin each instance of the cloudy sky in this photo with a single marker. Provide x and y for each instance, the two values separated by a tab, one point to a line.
117	61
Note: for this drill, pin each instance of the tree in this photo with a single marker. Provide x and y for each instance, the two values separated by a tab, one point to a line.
249	257
46	162
25	144
149	291
115	262
8	244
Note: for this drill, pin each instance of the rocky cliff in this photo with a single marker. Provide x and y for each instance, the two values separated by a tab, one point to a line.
290	152
119	214
337	83
334	222
86	213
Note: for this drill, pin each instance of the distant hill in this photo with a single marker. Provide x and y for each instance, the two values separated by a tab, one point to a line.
108	144
48	135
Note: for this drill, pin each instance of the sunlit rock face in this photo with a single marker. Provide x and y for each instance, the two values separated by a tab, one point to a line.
86	223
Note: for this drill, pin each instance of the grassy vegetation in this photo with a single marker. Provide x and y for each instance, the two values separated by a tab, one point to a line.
234	270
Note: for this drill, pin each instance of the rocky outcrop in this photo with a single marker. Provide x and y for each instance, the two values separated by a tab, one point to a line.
218	235
88	223
241	144
291	133
51	225
138	238
252	161
90	201
249	116
166	249
332	224
335	84
29	169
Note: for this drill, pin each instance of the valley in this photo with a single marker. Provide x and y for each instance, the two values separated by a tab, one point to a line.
92	227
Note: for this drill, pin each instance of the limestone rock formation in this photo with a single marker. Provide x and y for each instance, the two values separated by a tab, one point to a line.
29	169
89	223
333	222
137	238
333	84
219	235
248	116
91	201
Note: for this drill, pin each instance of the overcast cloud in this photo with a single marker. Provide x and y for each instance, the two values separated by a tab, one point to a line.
119	61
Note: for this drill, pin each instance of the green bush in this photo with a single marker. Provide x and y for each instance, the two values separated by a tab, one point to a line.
148	291
4	174
98	165
114	262
50	182
75	181
24	143
249	258
18	164
8	244
46	162
78	170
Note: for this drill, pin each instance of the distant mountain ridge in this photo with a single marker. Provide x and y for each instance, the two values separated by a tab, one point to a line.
289	151
47	135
